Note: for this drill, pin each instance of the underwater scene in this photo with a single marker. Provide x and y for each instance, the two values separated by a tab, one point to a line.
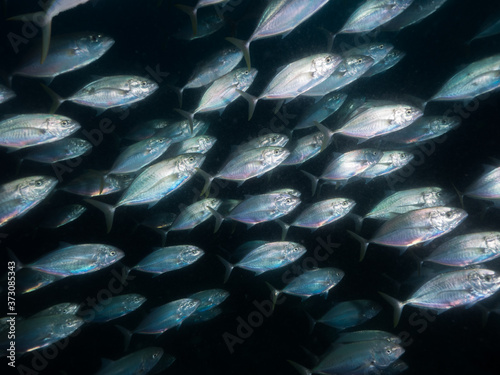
249	187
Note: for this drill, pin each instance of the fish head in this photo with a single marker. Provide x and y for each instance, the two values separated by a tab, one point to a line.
334	100
273	139
388	354
71	322
151	357
243	78
188	306
357	64
492	242
274	155
334	275
286	202
294	251
134	301
405	114
191	254
371	155
36	187
206	142
341	206
443	124
80	146
484	282
97	44
378	51
435	197
373	309
324	65
400	158
213	203
142	87
189	162
157	144
446	218
61	126
109	255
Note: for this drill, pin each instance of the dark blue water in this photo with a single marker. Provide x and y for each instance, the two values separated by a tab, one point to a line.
243	340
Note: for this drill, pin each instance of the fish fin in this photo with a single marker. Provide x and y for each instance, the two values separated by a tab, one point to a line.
252	102
363	243
178	91
163	234
279	104
56	99
218	218
314	181
12	256
284	228
358	221
208	181
301	369
127	335
485	314
274	294
192	13
327	134
46	31
188	115
312	322
397	305
460	195
100	111
244	46
229	267
107	209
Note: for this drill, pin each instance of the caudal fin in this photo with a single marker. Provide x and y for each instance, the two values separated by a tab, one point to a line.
301	369
244	46
362	241
275	293
56	99
327	134
188	115
178	91
107	209
314	181
252	102
229	267
284	228
40	19
192	13
218	218
208	181
397	306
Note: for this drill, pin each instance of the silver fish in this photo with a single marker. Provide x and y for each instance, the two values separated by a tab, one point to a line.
19	196
321	110
266	140
195	214
63	215
113	308
423	129
140	361
166	259
92	184
280	17
350	313
31	130
388	163
196	145
192	12
6	94
392	58
209	298
487	187
450	289
416	12
67	308
66	148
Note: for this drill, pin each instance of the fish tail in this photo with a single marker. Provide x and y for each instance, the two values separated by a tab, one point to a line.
284	228
460	195
330	37
56	99
188	115
208	181
229	267
178	91
358	222
301	369
163	234
275	293
363	243
107	209
327	134
192	13
314	181
312	322
397	305
127	335
218	218
12	256
252	102
244	46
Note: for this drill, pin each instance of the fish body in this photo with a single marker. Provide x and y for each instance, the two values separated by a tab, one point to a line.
487	187
66	148
115	307
209	298
195	214
416	12
138	362
424	129
92	184
388	163
63	215
324	212
166	259
350	313
321	110
392	58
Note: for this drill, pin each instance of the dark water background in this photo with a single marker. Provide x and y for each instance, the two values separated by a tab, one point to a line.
454	343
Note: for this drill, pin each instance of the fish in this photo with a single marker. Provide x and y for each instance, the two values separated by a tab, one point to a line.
346	166
279	17
108	92
392	58
295	79
208	24
490	29
416	12
372	14
388	163
475	79
310	283
320	214
377	51
166	259
222	92
209	299
30	130
20	196
193	11
367	335
63	215
154	183
167	316
28	280
92	184
350	314
113	308
195	214
44	19
216	66
67	308
40	332
266	140
248	164
68	52
267	257
306	148
486	187
200	144
6	94
55	152
414	227
424	129
321	110
140	361
71	260
139	155
467	250
450	289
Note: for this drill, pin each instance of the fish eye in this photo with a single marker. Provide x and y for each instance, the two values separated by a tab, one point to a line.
381	46
143	83
438	193
160	140
191	159
273	139
388	351
402	155
328	59
360	60
64	122
375	153
38	183
409	111
488	278
345	203
449	214
112	253
276	152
